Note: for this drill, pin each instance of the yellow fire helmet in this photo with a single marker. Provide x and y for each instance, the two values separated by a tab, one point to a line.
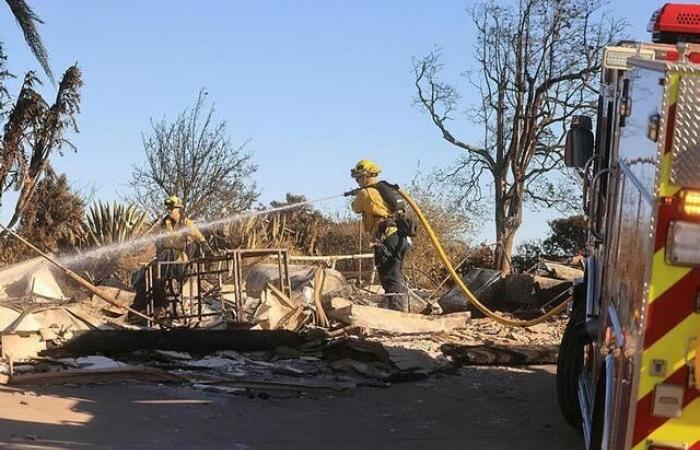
173	202
365	168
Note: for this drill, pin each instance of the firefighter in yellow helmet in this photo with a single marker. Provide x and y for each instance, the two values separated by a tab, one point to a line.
182	239
383	218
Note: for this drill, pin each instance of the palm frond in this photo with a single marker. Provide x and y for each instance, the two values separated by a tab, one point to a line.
27	20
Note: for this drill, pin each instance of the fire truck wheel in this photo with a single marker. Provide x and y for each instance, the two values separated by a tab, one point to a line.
570	362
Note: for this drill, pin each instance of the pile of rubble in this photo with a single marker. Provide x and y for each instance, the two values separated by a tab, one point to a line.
328	335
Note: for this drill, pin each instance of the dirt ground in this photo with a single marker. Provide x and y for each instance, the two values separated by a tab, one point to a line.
481	408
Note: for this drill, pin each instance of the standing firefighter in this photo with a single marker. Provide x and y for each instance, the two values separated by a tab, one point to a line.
383	217
180	242
182	239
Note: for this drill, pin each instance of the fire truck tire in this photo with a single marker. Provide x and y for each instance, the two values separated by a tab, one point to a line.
570	362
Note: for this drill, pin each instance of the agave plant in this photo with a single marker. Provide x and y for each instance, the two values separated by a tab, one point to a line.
111	223
107	224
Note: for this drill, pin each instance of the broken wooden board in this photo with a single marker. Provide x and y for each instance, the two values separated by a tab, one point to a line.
43	287
394	321
276	311
13	278
37	317
563	272
77	311
280	296
7	316
22	346
121	297
319	282
294	321
274	307
96	376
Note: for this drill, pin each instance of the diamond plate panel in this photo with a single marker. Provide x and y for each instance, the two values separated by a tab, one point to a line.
685	168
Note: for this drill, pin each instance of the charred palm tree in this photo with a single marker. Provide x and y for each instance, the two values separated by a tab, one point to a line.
35	129
27	20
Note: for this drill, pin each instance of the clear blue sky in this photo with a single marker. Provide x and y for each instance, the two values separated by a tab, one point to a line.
315	85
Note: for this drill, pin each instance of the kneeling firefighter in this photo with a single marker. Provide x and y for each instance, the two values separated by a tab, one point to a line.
181	241
384	218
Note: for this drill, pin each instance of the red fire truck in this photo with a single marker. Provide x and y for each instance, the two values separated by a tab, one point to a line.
627	365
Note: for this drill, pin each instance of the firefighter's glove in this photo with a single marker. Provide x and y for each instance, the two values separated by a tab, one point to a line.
352	193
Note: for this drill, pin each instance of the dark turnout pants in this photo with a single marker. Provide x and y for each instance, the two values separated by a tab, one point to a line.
388	258
168	272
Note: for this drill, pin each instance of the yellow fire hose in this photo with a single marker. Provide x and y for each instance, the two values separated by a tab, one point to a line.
463	287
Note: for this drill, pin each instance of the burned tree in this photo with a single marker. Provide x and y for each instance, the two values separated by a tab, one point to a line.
193	158
536	66
52	221
34	130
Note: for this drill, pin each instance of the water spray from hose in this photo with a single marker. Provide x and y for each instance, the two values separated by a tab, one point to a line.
111	249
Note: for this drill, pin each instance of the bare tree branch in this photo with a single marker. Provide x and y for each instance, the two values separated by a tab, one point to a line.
192	157
536	62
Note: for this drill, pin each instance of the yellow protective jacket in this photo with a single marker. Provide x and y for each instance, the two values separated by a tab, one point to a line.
178	242
369	202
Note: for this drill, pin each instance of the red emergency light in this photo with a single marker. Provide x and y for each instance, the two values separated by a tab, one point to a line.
676	22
